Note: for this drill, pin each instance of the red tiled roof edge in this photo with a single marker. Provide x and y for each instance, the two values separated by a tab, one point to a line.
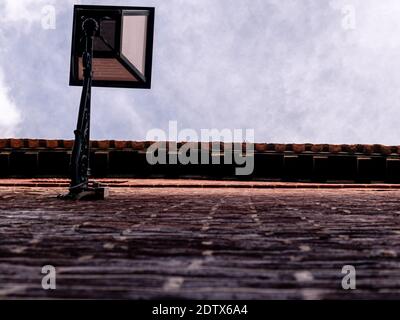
259	147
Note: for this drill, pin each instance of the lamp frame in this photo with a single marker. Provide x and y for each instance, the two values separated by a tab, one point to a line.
144	82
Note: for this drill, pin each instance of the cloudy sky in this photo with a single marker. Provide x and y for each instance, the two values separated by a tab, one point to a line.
293	70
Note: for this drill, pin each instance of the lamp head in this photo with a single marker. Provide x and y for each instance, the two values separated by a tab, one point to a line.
90	26
122	45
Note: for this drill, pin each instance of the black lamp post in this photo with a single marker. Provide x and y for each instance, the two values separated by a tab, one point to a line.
80	169
111	47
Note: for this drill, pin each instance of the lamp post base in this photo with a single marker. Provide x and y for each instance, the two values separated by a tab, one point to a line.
95	192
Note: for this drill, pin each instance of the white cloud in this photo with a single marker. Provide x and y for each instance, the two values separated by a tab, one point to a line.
22	14
10	116
286	68
22	10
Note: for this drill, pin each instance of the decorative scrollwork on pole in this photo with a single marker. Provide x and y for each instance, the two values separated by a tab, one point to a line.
81	152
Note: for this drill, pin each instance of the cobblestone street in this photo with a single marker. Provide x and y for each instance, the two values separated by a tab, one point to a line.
201	243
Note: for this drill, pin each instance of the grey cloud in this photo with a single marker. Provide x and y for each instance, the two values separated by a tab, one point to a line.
285	68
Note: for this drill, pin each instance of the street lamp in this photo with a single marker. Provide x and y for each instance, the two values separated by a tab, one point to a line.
111	47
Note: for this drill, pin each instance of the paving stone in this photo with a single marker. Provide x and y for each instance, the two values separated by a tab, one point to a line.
201	243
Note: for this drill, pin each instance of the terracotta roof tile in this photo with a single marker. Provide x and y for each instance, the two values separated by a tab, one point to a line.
317	148
261	147
4	143
138	145
366	149
105	144
308	147
280	147
334	148
33	143
16	143
122	144
299	148
68	144
51	144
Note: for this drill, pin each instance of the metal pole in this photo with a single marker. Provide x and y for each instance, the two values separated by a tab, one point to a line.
80	170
